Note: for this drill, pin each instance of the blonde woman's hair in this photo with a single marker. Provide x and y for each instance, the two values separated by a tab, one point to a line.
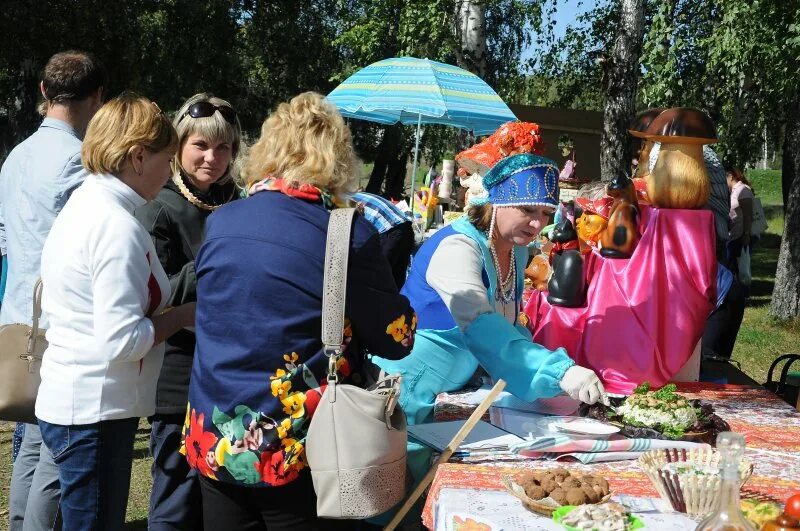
305	141
120	125
214	128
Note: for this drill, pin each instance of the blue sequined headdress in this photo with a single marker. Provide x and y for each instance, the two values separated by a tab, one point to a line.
523	180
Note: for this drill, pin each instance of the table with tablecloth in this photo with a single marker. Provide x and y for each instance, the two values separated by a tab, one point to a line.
770	426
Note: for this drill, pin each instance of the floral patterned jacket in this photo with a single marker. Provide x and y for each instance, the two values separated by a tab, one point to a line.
259	370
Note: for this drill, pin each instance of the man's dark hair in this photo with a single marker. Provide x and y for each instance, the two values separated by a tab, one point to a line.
72	76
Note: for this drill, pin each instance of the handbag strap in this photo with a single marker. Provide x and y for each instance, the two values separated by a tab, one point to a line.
334	289
37	312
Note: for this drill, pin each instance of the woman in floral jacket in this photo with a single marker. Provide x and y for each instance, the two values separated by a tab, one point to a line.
259	370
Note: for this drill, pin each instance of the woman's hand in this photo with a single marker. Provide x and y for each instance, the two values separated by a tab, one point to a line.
172	320
583	384
187	312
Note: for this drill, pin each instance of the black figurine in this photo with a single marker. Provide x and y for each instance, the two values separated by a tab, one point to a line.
567	286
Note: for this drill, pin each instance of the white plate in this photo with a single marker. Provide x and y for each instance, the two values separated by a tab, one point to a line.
586	427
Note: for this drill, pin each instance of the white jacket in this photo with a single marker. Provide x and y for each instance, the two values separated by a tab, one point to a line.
101	279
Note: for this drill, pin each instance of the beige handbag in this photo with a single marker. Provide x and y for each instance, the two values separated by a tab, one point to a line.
21	349
356	443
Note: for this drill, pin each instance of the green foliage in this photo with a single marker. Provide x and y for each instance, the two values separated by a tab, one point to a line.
568	72
642	388
735	59
254	53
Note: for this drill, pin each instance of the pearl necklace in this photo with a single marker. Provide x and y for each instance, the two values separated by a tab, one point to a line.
506	288
185	192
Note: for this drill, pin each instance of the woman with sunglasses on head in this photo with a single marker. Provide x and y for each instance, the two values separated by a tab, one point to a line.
209	140
105	294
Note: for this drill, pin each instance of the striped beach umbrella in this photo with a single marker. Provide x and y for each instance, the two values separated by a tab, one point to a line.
420	91
411	91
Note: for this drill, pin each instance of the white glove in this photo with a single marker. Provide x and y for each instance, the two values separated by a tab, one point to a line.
583	384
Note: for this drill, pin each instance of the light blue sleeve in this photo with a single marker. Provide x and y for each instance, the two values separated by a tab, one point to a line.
71	178
531	371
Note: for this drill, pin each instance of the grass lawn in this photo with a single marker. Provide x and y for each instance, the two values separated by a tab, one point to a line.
761	339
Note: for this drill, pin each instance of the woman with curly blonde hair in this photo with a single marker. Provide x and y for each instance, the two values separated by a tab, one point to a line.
259	364
305	142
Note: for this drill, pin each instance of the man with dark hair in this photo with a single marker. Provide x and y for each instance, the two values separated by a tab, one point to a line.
36	180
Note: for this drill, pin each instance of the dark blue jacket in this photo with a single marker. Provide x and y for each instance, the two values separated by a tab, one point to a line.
258	362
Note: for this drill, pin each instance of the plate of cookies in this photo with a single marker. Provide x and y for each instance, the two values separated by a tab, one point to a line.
545	490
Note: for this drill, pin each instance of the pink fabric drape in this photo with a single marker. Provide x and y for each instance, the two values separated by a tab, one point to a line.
643	315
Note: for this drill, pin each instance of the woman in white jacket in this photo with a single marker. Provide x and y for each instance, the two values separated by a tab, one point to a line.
104	293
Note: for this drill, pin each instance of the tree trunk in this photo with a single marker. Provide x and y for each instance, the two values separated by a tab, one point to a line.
741	133
388	150
396	176
621	81
471	34
471	52
791	149
786	294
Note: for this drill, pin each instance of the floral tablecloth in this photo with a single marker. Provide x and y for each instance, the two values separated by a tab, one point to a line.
770	426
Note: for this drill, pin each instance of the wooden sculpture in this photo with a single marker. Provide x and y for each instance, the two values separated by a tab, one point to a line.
538	271
622	233
679	178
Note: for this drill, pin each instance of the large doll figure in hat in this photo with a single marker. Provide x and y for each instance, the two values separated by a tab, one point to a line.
466	286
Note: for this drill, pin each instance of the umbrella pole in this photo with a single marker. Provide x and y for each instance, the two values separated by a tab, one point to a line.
414	166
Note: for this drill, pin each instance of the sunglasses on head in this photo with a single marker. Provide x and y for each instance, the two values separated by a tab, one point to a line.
204	109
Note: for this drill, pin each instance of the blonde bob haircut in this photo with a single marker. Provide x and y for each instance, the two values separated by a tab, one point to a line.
305	141
120	125
212	128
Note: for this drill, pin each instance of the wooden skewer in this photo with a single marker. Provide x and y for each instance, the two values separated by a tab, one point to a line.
448	451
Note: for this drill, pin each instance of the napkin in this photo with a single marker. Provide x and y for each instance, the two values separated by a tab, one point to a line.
588	450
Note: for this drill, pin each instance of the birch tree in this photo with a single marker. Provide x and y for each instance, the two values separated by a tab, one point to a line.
621	81
471	36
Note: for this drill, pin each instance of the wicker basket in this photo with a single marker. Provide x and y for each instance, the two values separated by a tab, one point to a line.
688	492
544	506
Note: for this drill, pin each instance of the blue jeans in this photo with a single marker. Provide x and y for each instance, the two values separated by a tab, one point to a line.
175	502
94	467
16	440
33	500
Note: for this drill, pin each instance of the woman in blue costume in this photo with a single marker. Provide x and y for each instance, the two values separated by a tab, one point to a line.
466	286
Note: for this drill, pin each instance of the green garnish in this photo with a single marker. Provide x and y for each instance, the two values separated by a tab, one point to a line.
642	389
675	432
667	393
